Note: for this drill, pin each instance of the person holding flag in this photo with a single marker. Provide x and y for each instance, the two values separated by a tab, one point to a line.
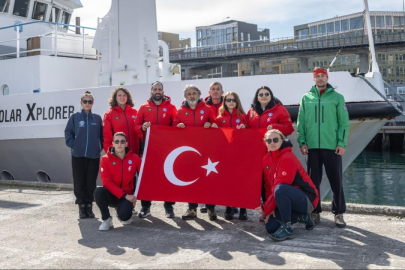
195	113
158	110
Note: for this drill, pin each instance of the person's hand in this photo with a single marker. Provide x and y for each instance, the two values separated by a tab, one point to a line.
181	125
340	151
145	126
268	217
241	126
304	149
207	124
269	127
130	198
260	210
214	125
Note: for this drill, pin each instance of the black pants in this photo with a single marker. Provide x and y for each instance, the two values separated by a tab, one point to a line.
105	199
147	204
85	171
333	169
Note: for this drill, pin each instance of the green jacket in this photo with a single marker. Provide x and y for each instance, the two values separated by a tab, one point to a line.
323	121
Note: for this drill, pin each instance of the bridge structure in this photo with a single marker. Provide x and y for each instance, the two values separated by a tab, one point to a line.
303	49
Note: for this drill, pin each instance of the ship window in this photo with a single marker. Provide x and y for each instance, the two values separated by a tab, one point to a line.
57	13
65	19
39	11
4	4
5	90
21	8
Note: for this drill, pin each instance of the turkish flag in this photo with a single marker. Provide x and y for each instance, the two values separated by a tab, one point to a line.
213	166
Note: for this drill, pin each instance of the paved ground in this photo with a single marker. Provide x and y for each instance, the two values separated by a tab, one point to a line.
40	229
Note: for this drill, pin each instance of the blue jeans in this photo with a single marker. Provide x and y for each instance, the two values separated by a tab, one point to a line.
291	203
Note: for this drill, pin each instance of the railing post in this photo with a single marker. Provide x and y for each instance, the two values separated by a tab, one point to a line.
83	43
18	41
56	40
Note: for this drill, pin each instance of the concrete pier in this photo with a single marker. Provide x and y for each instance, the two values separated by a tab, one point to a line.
40	229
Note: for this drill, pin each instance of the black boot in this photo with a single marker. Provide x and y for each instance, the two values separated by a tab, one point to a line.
243	214
228	213
89	208
82	211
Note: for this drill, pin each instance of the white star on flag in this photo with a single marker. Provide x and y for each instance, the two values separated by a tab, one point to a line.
210	167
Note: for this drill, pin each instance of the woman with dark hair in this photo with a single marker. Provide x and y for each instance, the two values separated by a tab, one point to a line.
268	112
232	115
291	194
121	118
83	135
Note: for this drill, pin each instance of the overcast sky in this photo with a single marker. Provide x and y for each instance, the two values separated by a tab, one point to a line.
280	16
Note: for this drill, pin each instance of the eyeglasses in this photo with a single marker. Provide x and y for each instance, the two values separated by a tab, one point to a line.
87	101
275	140
230	100
120	141
264	94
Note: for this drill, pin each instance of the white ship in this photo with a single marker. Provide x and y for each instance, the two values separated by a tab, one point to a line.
44	69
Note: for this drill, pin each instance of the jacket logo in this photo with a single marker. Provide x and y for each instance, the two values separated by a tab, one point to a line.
164	115
164	109
223	121
133	116
129	162
81	124
284	173
116	118
150	109
101	169
129	168
274	176
186	113
202	117
267	167
268	119
202	112
238	121
270	114
94	124
114	163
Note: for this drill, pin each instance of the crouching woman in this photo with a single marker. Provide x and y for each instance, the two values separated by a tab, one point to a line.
291	194
118	171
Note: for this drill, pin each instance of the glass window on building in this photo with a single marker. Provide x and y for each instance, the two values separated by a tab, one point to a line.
331	28
287	69
199	43
388	21
314	31
65	19
180	45
21	8
223	36
235	34
209	41
303	33
204	42
372	19
380	21
345	25
260	37
399	21
241	36
250	64
337	26
4	4
228	34
57	14
356	23
39	11
399	57
203	32
199	34
169	44
208	32
248	36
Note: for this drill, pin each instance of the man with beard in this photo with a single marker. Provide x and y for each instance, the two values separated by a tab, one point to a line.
158	110
194	113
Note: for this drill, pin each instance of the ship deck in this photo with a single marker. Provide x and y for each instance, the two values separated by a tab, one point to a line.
40	229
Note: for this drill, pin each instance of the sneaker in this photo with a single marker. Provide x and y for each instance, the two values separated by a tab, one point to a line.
339	221
316	217
190	214
203	209
284	232
243	214
307	220
169	212
235	210
144	212
228	213
106	225
211	214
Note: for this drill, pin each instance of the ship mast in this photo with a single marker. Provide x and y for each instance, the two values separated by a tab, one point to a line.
374	65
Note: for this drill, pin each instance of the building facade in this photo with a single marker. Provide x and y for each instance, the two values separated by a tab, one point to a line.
174	41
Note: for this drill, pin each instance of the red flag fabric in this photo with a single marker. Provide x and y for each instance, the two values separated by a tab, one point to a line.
220	166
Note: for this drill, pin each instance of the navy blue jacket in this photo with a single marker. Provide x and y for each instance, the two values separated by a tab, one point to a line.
84	134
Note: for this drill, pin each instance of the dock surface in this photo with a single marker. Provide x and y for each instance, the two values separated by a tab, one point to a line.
40	229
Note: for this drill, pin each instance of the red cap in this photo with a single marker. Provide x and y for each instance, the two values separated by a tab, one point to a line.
320	70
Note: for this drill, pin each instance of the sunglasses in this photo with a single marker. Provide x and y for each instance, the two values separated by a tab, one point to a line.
230	100
275	140
264	94
120	141
87	101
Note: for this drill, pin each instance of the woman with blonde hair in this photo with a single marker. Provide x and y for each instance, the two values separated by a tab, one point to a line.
84	136
121	118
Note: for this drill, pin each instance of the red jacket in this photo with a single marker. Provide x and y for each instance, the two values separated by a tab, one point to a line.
162	115
118	175
118	120
277	116
194	118
214	108
283	167
231	120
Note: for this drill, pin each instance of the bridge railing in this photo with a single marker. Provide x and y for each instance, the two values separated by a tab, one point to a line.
285	47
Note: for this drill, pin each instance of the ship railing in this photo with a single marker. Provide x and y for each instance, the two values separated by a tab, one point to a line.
80	43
